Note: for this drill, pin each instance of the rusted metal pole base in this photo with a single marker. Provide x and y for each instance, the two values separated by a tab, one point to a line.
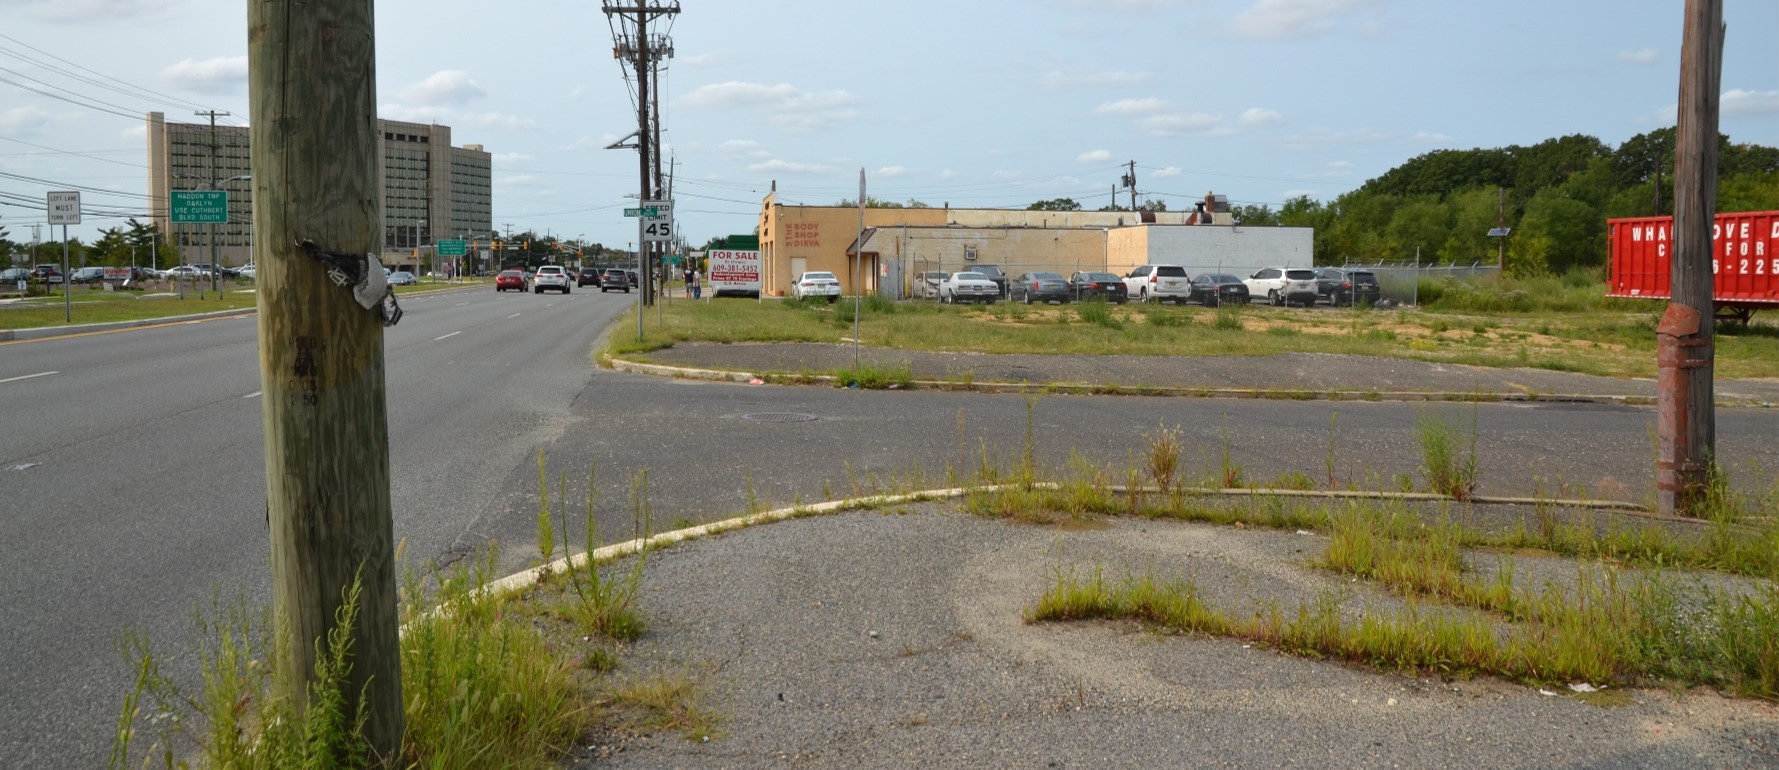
1681	467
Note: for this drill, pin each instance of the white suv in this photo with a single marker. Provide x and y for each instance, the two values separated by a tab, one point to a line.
551	277
1283	286
1158	283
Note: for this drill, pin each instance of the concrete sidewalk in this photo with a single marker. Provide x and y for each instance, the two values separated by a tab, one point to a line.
1292	375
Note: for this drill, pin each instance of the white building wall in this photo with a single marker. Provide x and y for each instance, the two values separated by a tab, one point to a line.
1230	249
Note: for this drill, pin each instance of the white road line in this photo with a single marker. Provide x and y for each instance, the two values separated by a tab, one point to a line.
515	315
461	304
446	337
27	377
253	394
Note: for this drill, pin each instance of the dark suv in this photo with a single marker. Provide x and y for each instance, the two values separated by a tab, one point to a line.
993	273
614	278
588	276
1346	286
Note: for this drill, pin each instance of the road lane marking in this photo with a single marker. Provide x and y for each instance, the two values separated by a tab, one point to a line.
515	315
461	304
446	337
27	377
253	394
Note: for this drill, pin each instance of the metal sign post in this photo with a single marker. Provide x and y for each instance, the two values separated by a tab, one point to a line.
64	210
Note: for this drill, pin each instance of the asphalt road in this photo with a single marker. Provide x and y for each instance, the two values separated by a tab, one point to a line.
132	488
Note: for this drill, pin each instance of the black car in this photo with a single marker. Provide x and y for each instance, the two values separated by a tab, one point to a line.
1039	287
993	273
614	278
1212	289
588	276
1103	286
1340	286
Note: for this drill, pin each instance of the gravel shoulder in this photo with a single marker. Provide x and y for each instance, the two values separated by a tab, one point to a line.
895	639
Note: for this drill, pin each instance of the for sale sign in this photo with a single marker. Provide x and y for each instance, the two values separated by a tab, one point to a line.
734	272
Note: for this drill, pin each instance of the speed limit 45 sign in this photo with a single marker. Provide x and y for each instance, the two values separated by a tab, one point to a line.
660	226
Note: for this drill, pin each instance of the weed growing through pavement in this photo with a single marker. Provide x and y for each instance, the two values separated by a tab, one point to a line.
1448	455
608	606
1164	456
1231	477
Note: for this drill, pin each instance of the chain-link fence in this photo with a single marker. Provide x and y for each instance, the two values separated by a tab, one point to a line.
1401	282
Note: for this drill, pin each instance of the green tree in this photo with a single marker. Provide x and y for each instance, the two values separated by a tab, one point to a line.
1575	229
1255	214
1419	227
1752	191
1474	213
1055	204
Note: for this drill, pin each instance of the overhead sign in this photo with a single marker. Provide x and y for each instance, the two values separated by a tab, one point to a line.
64	207
453	247
658	226
199	207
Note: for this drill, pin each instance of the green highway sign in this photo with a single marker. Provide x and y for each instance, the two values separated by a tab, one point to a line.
453	247
652	212
199	207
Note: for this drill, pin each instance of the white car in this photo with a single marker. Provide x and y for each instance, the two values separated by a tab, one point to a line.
816	284
552	277
1283	285
926	285
1158	283
968	287
186	272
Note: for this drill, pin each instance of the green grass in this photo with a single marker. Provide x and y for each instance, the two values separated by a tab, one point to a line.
1607	339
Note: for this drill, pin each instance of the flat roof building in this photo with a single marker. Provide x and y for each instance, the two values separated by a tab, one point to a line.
431	190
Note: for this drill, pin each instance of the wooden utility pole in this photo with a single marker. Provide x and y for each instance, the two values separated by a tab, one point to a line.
1686	424
312	89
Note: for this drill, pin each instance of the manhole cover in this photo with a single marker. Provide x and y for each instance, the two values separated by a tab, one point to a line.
779	417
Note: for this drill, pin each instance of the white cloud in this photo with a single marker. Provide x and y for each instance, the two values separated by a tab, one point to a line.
1094	156
948	174
1260	116
85	12
220	75
445	87
1640	56
1739	103
509	157
1005	176
791	167
1294	19
519	180
1321	138
787	105
1430	137
1056	81
1166	173
1129	107
24	120
700	60
742	149
1169	125
893	171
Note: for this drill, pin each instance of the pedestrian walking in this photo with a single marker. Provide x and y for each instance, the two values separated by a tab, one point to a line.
692	284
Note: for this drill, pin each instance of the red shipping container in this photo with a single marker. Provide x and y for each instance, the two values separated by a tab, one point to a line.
1744	259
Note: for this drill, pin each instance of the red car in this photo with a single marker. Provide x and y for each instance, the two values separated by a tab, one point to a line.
509	279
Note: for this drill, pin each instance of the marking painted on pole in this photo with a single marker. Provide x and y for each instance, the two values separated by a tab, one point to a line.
27	377
445	337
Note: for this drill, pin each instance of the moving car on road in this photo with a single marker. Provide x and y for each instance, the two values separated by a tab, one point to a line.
615	278
397	278
510	279
968	287
588	276
816	284
552	277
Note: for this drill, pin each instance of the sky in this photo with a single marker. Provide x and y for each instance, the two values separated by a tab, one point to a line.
971	103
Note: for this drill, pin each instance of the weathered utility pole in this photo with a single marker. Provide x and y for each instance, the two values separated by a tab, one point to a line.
312	89
1130	181
637	49
1686	425
215	280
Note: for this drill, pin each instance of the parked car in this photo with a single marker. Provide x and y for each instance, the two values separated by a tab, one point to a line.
185	273
588	276
1038	287
968	287
816	284
397	278
1158	283
46	274
13	275
247	271
1212	289
926	285
1086	286
552	277
1283	286
510	279
615	278
88	275
1345	286
993	273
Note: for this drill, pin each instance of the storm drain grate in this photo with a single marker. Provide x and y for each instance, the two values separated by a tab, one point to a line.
779	417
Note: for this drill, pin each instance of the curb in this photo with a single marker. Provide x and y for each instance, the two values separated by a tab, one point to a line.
1285	394
44	332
